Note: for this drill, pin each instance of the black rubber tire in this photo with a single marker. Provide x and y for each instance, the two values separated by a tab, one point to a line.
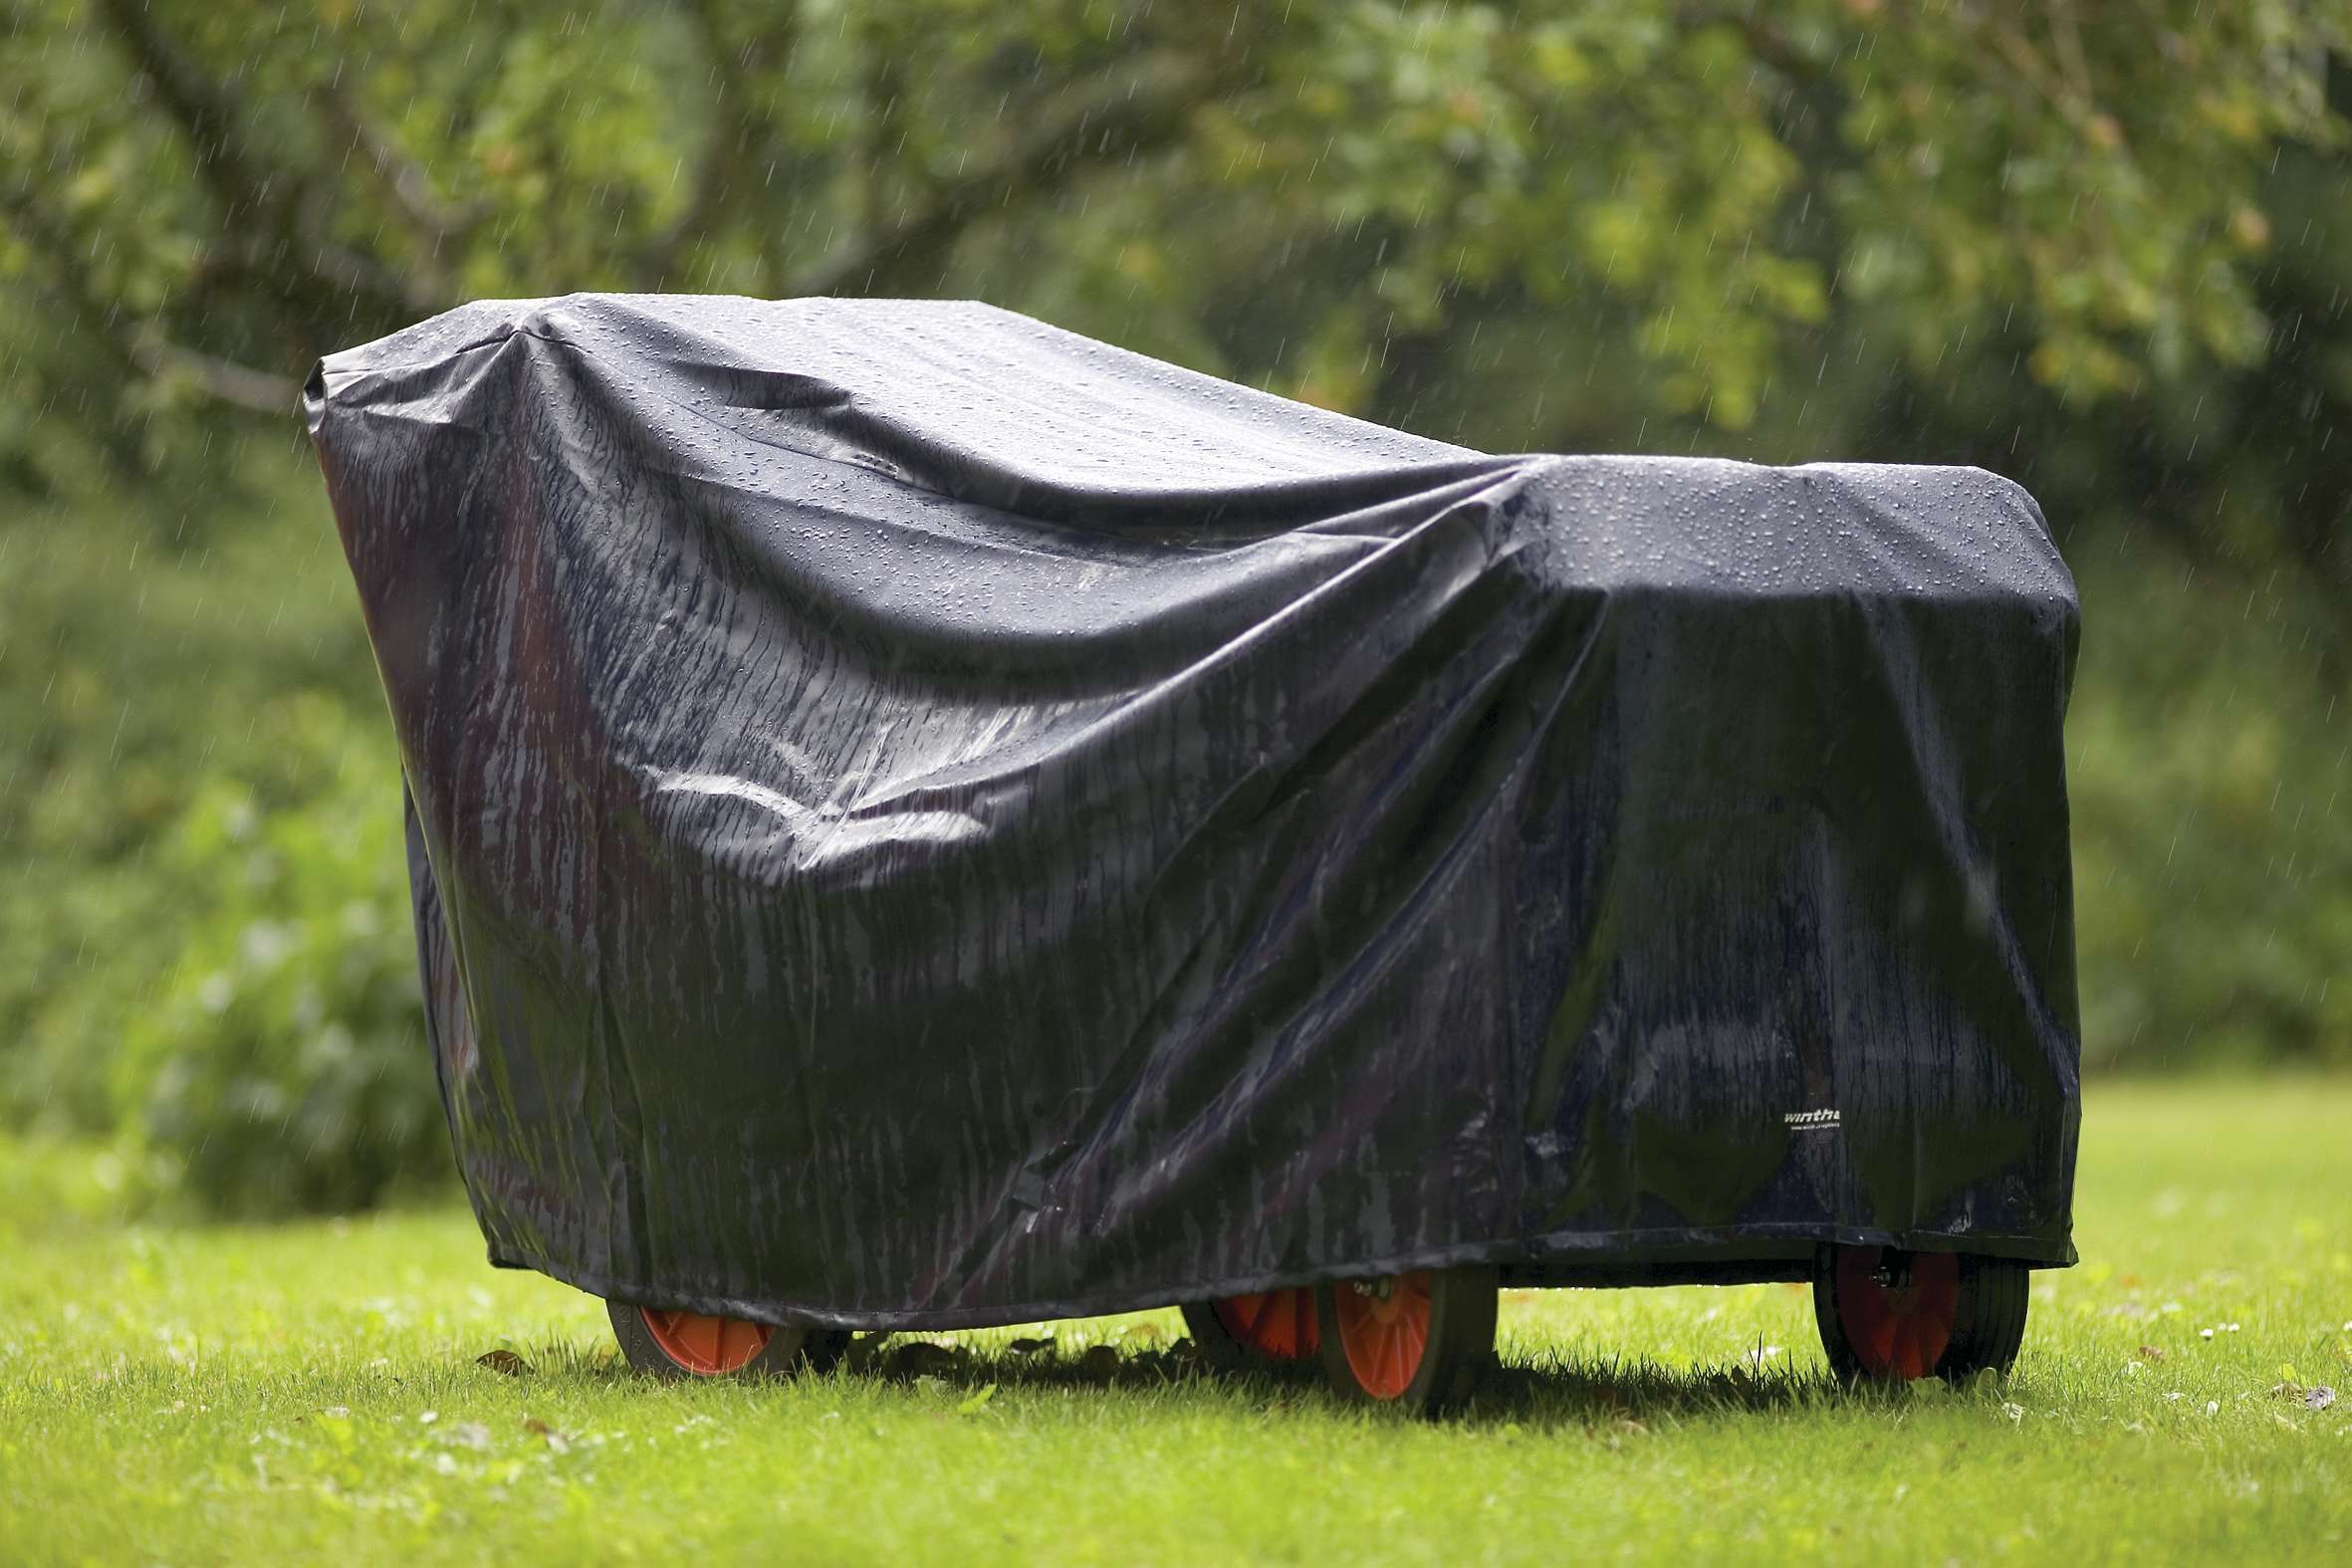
1221	1352
1991	1327
1459	1349
790	1350
1988	1324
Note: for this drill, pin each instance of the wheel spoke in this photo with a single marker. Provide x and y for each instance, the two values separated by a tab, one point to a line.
1300	1322
1269	1331
1904	1361
740	1342
1938	1275
1278	1325
1877	1341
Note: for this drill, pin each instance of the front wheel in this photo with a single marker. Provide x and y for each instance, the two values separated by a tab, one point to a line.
678	1345
1891	1316
1415	1341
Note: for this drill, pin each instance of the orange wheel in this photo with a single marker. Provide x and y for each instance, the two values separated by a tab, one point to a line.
1415	1340
1383	1330
707	1345
1891	1316
1264	1331
672	1344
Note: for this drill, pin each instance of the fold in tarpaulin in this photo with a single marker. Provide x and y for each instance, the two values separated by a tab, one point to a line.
923	820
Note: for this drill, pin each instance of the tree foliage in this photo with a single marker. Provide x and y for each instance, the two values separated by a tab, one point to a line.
282	1063
2094	246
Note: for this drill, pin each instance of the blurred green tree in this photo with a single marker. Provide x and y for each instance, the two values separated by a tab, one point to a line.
1820	227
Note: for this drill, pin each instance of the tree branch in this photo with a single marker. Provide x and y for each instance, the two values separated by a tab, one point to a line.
1087	124
355	273
311	279
140	348
2069	92
258	390
738	125
401	177
68	274
196	104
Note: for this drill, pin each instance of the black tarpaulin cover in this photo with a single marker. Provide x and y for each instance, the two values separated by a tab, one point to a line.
921	819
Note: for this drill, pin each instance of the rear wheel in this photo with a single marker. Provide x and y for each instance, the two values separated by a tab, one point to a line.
1271	1330
676	1345
1417	1341
1891	1316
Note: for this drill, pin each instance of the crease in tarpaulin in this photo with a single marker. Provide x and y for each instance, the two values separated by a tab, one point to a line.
910	932
824	833
1349	491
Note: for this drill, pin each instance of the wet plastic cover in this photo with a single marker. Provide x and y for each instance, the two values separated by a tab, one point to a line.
921	819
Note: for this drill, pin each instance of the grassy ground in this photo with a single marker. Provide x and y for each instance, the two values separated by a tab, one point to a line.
312	1391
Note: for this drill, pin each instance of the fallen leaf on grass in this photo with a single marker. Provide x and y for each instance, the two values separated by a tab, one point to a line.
977	1401
2151	1353
502	1361
556	1443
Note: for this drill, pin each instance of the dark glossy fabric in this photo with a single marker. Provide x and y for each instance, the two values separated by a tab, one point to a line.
920	818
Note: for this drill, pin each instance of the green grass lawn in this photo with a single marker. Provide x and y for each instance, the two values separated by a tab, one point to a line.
312	1391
